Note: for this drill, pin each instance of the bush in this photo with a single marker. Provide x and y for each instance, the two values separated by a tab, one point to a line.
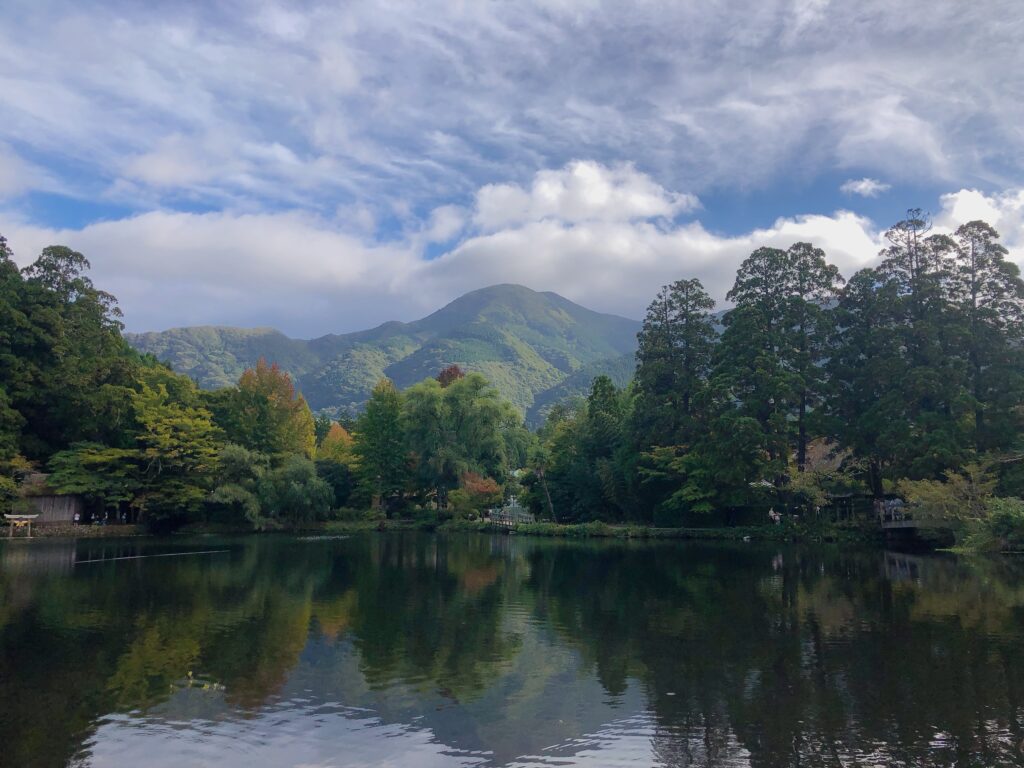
8	493
1005	524
294	495
339	477
1001	530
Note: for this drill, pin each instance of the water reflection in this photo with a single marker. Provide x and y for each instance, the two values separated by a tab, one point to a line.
475	651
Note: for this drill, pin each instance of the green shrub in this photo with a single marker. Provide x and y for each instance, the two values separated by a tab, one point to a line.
1005	523
8	493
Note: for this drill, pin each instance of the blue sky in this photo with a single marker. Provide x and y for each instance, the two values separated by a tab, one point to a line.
326	167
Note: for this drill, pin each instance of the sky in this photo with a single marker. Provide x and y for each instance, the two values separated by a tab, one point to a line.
325	167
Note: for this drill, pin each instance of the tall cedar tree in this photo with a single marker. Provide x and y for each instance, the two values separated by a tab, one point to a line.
65	368
673	361
934	397
769	360
989	293
814	285
866	370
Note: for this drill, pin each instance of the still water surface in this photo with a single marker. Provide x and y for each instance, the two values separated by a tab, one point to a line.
421	650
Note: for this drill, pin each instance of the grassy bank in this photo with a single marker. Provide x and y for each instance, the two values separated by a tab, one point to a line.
591	530
599	530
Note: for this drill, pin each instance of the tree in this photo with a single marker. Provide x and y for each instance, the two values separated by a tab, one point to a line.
455	429
240	473
866	370
989	293
177	444
336	445
168	471
475	493
265	414
107	477
380	445
293	494
673	362
450	375
321	426
63	364
964	496
933	392
814	285
587	457
753	368
775	340
12	325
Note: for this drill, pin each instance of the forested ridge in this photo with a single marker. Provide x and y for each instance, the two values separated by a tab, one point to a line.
906	378
535	347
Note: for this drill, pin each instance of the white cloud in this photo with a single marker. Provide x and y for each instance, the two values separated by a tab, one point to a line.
582	191
864	187
602	236
617	266
610	249
445	223
287	270
18	175
1004	211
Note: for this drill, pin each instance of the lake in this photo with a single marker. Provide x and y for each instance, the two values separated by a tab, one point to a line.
430	650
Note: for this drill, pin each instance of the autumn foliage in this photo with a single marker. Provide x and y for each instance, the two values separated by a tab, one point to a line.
450	375
275	418
336	445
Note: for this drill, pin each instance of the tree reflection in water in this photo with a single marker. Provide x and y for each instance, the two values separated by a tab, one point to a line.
506	651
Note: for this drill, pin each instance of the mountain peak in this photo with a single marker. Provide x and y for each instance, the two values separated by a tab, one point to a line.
526	342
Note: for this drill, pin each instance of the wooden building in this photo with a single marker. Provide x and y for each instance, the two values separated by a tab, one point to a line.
52	507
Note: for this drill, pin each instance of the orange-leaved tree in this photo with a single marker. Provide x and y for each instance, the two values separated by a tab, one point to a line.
264	413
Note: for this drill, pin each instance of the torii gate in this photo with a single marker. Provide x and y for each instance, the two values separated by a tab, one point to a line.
19	521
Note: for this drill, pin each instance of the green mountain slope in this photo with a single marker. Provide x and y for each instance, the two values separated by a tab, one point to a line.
537	348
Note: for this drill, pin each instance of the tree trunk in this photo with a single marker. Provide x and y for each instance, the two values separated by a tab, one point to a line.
547	494
875	479
801	446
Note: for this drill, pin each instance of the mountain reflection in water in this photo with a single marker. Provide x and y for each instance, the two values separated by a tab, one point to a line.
422	650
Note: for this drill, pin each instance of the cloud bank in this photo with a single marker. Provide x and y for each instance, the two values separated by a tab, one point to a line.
598	235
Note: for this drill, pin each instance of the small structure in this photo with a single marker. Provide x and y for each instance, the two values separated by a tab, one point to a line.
19	521
511	514
46	504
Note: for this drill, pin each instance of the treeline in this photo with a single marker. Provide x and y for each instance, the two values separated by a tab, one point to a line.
809	387
908	379
143	444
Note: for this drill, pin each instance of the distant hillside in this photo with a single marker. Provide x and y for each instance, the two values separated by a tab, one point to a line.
537	348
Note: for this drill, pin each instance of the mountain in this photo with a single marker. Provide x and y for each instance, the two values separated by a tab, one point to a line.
537	348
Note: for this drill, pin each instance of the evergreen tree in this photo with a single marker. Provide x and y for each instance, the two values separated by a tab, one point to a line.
814	285
866	370
673	361
933	383
989	293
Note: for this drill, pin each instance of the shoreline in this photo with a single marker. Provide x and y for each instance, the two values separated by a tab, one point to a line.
591	530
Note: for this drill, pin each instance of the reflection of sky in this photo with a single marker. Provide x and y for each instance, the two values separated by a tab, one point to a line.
533	689
544	707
